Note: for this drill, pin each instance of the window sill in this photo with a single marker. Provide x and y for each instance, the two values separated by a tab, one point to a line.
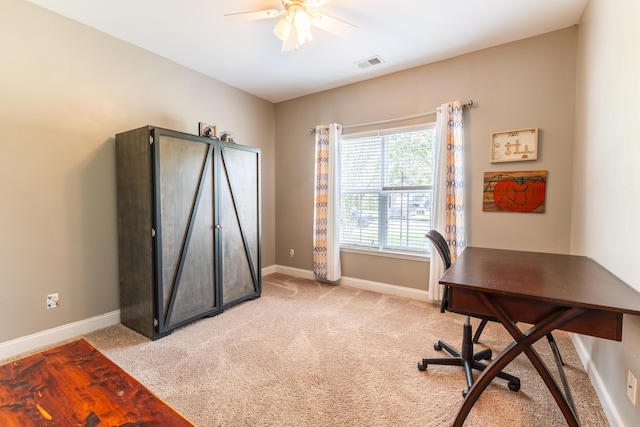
386	253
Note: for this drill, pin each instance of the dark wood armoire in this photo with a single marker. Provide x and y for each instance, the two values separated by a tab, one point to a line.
189	231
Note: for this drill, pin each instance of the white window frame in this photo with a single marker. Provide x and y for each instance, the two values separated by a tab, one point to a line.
381	249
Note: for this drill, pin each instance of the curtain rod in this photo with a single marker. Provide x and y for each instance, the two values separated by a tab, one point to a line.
399	119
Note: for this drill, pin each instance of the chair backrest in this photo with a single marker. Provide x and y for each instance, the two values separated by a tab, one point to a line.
440	244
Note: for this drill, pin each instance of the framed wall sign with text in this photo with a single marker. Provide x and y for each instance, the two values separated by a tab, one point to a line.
514	145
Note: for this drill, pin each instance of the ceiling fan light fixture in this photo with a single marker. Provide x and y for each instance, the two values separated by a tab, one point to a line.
283	28
304	36
294	29
301	18
296	22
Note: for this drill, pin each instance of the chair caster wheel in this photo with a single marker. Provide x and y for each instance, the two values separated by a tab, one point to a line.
464	392
437	347
422	366
514	386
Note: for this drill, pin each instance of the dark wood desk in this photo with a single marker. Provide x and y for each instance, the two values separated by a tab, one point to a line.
549	291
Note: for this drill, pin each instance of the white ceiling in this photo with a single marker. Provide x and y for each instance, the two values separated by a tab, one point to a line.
246	54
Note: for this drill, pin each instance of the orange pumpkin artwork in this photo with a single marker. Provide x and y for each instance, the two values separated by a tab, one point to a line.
514	191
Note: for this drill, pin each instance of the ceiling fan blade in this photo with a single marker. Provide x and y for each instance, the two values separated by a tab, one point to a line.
333	25
256	15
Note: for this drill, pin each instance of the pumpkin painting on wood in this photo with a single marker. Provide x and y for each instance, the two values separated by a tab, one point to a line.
514	191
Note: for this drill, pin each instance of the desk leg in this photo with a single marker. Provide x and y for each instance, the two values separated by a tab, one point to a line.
563	377
523	343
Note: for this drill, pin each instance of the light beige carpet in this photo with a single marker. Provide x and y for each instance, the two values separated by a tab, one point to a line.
312	354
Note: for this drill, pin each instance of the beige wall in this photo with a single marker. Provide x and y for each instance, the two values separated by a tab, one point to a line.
529	83
606	183
65	91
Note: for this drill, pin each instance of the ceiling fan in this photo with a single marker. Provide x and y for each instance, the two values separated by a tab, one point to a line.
294	28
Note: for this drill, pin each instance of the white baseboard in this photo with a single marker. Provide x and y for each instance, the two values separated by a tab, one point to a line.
367	285
608	405
10	349
29	343
291	271
269	270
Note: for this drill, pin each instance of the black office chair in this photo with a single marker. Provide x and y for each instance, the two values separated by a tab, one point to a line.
466	357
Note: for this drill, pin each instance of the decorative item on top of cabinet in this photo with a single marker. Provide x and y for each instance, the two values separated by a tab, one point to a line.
227	136
189	227
514	145
205	129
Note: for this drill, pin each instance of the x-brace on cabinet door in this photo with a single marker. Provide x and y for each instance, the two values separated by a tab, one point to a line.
239	222
184	172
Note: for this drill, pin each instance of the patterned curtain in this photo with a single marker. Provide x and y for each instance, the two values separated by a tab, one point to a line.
326	216
447	209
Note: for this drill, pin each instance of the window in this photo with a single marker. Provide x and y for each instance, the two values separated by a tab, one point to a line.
386	188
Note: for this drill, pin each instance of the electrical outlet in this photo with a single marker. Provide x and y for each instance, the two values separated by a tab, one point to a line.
292	253
53	300
632	386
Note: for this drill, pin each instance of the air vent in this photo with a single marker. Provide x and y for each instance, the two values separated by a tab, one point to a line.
370	62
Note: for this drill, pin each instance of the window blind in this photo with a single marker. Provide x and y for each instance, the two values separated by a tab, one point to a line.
386	188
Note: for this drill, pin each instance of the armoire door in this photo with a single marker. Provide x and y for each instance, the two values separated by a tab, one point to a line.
184	217
239	220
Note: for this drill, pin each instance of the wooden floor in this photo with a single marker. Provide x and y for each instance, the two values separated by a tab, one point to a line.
76	385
